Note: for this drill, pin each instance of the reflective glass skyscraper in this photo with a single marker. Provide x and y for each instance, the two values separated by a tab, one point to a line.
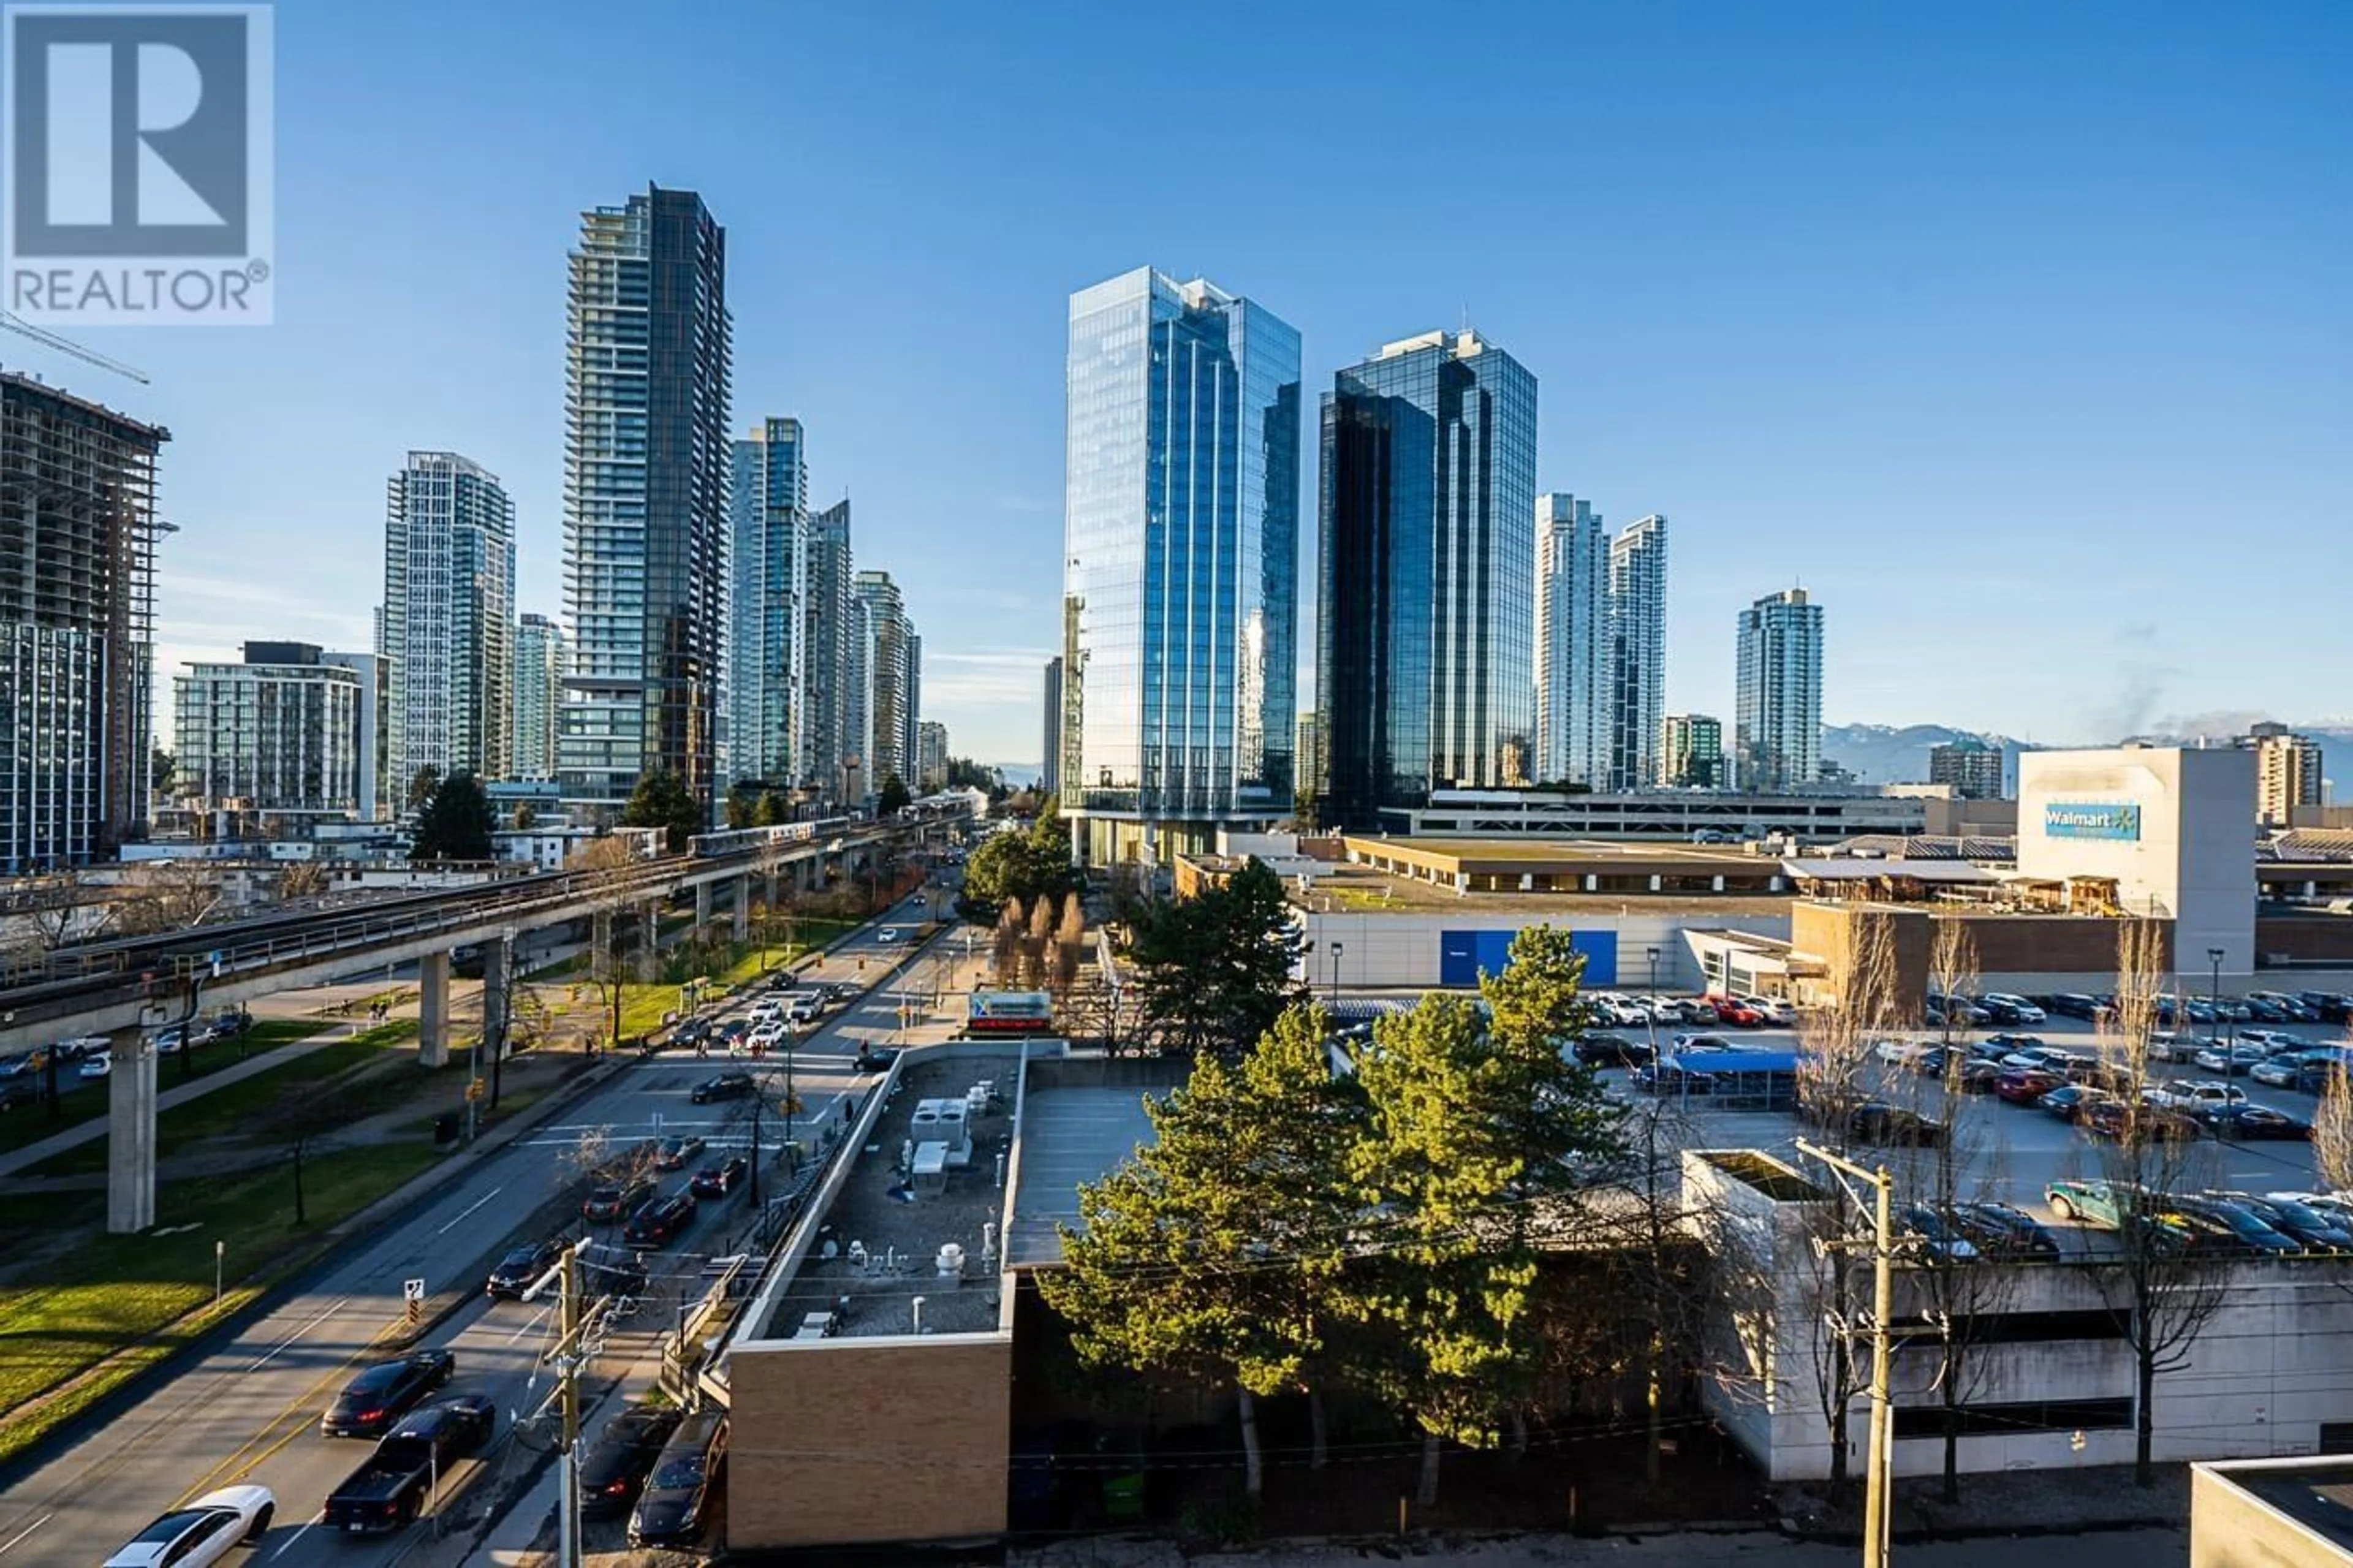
646	461
1573	643
1637	653
1425	661
1181	525
767	573
1778	699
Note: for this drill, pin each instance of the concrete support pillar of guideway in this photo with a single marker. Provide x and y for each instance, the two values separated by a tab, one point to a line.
131	1135
648	940
743	905
433	1010
497	971
701	907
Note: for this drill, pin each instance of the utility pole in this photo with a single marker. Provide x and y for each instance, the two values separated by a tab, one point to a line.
1878	1510
568	1359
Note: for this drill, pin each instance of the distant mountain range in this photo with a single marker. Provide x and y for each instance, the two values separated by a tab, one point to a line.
1888	753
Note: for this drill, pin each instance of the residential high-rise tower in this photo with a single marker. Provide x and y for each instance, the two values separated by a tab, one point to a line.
645	465
1425	658
538	687
769	570
1180	524
890	689
1973	770
447	628
2287	772
1777	718
1572	644
277	736
1638	652
831	694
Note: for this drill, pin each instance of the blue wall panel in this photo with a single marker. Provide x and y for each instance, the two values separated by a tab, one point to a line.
1464	954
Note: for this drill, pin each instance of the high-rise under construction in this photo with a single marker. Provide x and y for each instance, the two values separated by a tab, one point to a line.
77	534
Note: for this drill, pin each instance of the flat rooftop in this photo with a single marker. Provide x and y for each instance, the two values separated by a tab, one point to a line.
899	1220
1069	1136
2318	1495
1580	853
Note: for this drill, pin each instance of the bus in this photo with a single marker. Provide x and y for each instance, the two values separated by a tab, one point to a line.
1001	1013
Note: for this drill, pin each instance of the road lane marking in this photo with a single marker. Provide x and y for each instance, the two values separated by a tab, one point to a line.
289	1543
18	1539
530	1326
470	1208
272	1354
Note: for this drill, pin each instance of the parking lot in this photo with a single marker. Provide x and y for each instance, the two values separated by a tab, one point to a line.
2010	1153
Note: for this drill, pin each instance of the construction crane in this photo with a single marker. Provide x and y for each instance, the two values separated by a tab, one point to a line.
67	346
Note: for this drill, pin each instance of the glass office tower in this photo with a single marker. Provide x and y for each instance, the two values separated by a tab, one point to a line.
1425	656
1181	529
644	499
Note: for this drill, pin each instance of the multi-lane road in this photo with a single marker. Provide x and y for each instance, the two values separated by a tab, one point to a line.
249	1411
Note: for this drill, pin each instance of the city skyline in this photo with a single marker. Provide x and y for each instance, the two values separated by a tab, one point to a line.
1797	402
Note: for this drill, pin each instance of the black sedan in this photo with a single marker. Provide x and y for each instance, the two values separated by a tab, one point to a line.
726	1086
460	1424
657	1222
677	1501
615	1470
874	1058
2002	1231
675	1151
720	1178
2251	1121
518	1268
609	1201
1604	1050
1873	1123
373	1401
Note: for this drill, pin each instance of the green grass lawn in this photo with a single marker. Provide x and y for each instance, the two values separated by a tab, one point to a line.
81	1100
86	1303
237	1107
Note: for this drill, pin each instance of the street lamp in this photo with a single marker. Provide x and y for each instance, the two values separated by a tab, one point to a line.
1335	972
1653	953
2214	990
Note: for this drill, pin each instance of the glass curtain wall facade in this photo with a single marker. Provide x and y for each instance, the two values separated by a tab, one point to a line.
891	651
1573	692
646	470
1181	529
1694	752
1637	653
278	733
538	675
1425	658
764	677
1050	773
447	631
1777	725
828	687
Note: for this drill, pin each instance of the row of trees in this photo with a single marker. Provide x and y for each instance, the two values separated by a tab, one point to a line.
1018	866
1289	1228
1039	952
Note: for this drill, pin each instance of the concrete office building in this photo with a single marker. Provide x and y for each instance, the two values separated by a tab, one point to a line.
2287	773
273	741
1778	697
447	631
1974	770
645	469
1050	771
538	686
77	536
1638	652
1693	753
1180	526
1426	622
1574	645
769	570
2156	831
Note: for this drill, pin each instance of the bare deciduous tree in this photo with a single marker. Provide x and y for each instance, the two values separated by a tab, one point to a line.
2332	1131
168	895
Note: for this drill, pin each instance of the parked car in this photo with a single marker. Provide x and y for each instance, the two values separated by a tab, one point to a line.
1903	1053
2287	1069
720	1178
726	1086
2112	1119
1775	1010
518	1268
2069	1101
677	1501
393	1487
1875	1123
225	1026
1686	1045
609	1201
673	1152
99	1066
170	1040
2074	1004
658	1221
2215	1224
2252	1122
2006	1009
201	1534
2191	1095
380	1394
2002	1231
1658	1078
2005	1049
1600	1050
613	1472
2315	1228
1936	1233
2024	1086
1976	1076
1731	1010
1958	1009
2092	1203
2236	1061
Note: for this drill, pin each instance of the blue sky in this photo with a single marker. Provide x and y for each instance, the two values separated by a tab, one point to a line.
2019	335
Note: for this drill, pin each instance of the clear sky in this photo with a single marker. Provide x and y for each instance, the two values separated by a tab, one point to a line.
2019	335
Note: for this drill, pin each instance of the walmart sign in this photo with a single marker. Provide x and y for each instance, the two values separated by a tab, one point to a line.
2079	819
